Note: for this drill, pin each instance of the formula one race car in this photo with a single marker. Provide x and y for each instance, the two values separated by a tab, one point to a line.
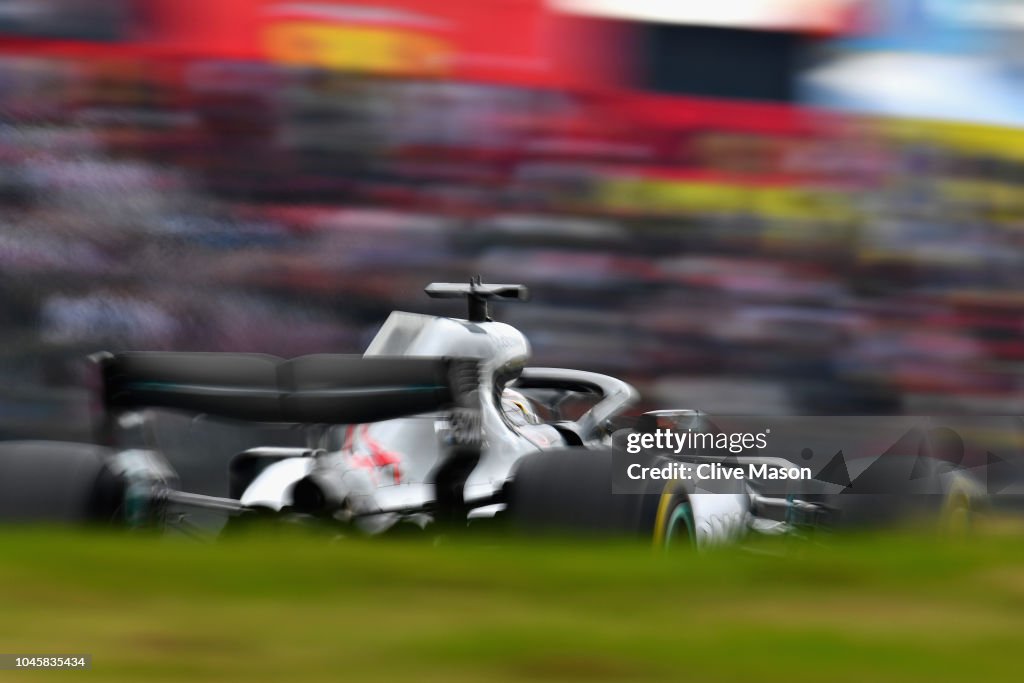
439	424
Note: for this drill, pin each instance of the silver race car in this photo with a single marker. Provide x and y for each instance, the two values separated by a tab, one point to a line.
440	424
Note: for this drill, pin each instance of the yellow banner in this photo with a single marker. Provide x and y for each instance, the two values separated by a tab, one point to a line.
356	48
967	138
651	195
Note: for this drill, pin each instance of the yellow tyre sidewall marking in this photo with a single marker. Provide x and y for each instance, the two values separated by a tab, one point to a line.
664	510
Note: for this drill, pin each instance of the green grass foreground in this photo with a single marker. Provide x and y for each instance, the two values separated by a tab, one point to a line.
304	609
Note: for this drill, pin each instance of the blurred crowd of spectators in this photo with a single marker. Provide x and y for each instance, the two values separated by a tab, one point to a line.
242	207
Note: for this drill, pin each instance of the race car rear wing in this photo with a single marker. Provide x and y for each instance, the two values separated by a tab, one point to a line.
325	388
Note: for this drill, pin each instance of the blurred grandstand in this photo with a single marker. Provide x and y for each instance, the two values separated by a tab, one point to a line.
277	176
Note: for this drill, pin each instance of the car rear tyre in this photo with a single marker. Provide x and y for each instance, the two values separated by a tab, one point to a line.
58	482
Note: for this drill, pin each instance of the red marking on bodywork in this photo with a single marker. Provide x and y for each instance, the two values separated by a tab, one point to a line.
381	456
378	457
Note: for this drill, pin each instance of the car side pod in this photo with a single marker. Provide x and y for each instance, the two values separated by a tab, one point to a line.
330	488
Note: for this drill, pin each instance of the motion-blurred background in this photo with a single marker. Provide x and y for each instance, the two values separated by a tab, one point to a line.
753	206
